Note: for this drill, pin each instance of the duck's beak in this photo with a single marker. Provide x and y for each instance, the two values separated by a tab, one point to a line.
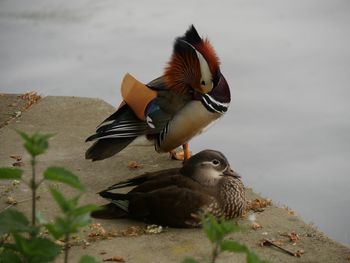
203	89
230	172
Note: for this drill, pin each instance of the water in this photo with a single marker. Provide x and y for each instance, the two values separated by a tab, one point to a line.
288	64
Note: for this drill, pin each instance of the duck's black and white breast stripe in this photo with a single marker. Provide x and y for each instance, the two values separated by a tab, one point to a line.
213	105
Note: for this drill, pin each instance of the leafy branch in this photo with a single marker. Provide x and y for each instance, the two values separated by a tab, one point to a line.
216	231
25	244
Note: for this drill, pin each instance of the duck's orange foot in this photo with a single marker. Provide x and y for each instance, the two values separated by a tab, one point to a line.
179	154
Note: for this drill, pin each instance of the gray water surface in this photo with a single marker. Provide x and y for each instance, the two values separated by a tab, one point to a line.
287	62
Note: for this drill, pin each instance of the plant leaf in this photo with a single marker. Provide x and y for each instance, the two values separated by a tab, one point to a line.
35	144
59	228
233	246
8	256
40	218
87	259
10	173
36	249
85	209
62	175
212	228
190	260
11	220
253	258
53	231
228	227
78	222
63	203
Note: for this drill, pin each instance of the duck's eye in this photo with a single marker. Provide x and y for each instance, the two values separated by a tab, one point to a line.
216	162
203	82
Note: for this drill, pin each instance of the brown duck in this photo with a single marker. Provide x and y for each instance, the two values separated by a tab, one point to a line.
178	197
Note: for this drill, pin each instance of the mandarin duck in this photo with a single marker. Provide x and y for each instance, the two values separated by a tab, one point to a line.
179	197
171	109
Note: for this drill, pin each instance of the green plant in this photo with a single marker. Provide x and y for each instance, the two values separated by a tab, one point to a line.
21	241
216	232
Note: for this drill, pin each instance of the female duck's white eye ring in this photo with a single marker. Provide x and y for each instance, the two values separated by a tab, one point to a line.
216	162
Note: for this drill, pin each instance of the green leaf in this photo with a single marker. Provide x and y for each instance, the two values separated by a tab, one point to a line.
228	227
78	222
64	176
53	231
10	173
11	220
60	199
8	256
36	249
87	259
40	218
233	246
24	136
86	209
36	144
43	250
59	228
253	258
212	229
190	260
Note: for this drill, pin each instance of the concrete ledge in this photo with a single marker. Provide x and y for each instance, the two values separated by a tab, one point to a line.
72	119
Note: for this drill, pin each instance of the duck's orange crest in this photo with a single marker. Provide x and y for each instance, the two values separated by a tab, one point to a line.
181	71
208	52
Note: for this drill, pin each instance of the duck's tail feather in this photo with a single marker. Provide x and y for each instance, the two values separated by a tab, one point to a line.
119	203
105	148
115	133
109	211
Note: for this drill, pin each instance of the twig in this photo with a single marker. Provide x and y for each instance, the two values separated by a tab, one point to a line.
18	202
66	248
33	187
270	243
215	252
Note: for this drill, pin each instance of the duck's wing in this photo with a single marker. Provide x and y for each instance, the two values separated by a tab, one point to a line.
171	206
169	101
115	133
138	181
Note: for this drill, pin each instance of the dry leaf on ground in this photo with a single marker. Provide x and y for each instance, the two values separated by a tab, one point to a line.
11	200
299	253
114	259
153	229
98	232
60	243
256	226
258	205
132	231
31	98
293	236
18	164
134	165
17	157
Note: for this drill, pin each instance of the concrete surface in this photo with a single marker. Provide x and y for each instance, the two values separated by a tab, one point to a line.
72	119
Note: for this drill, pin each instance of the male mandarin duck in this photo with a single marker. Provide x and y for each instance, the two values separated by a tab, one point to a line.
178	197
171	109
